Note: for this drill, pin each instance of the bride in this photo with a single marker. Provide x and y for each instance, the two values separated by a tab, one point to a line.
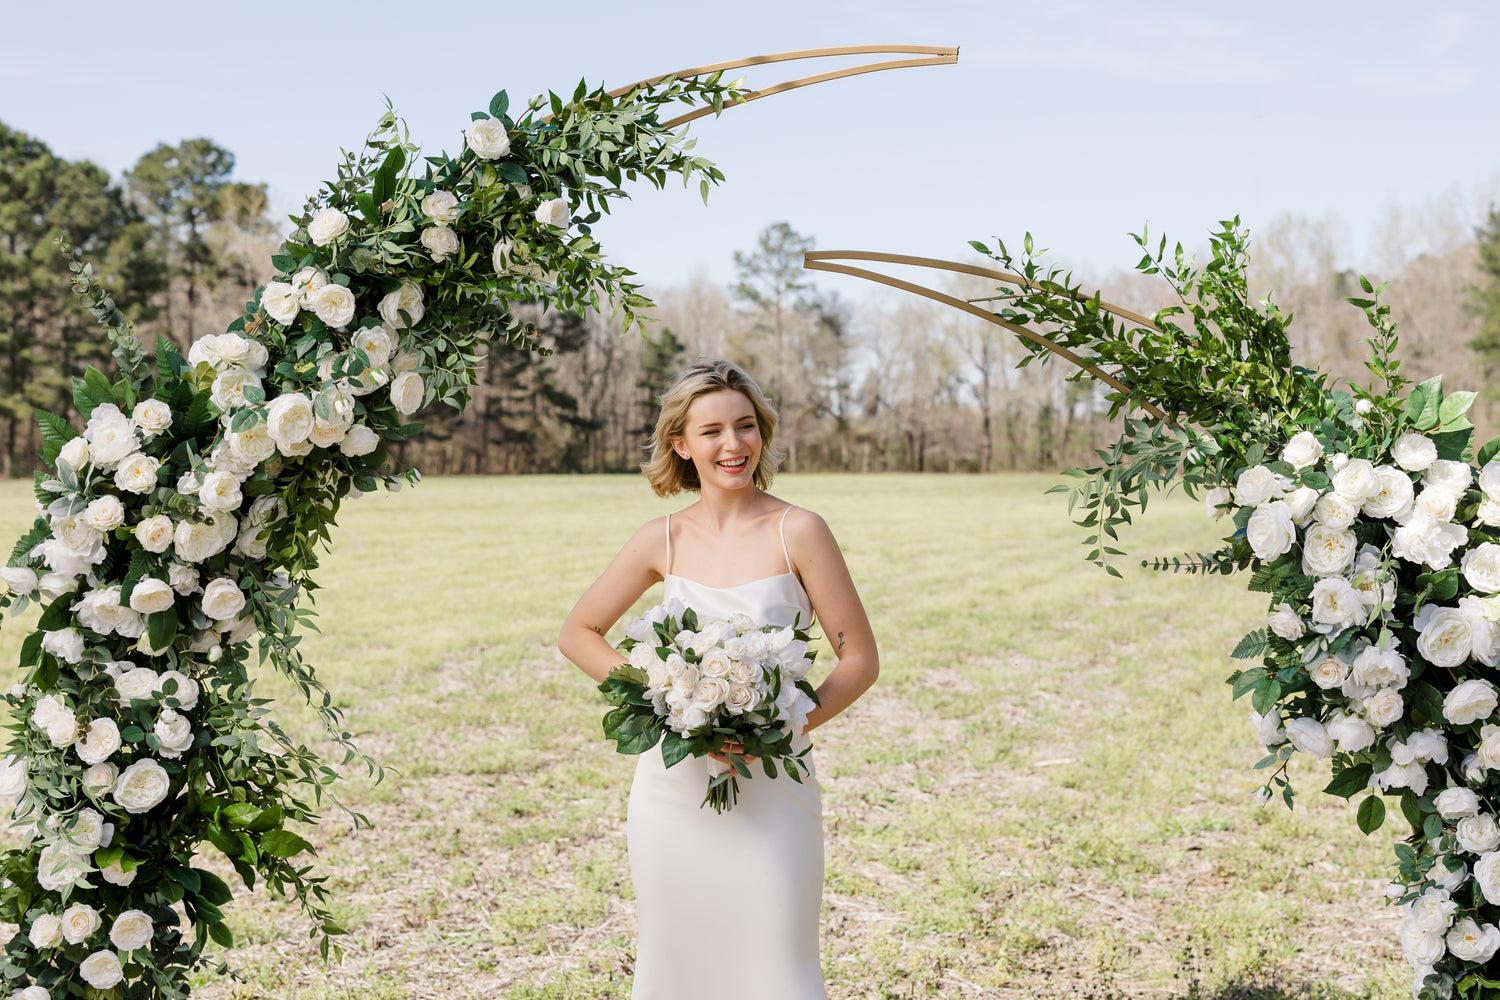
727	904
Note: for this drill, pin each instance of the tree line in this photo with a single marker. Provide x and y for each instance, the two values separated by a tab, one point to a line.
888	384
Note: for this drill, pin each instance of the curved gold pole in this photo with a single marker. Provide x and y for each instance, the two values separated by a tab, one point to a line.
821	260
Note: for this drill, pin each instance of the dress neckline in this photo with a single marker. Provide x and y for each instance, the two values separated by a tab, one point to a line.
762	579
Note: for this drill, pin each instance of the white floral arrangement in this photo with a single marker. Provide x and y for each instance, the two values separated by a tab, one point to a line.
177	530
695	684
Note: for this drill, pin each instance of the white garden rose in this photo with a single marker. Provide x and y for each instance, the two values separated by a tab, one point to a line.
141	786
440	242
115	874
1329	672
441	206
334	305
1352	733
289	419
1413	776
102	969
253	445
221	491
1395	497
19	579
377	342
222	599
1469	702
1309	736
554	212
101	738
488	138
1449	475
327	225
407	392
136	684
408	299
233	349
175	733
1424	539
1357	481
1427	746
359	440
1414	452
137	473
1446	637
79	538
1487	875
281	301
1300	503
1478	833
1285	622
1335	605
105	514
47	706
1256	485
1432	911
60	865
307	282
228	388
79	922
186	693
1473	769
1384	707
197	542
741	698
1488	750
1302	450
1270	530
99	779
1268	727
1215	499
1440	503
1470	942
151	595
1484	634
184	579
1334	512
1456	803
62	729
13	775
1327	551
1376	667
131	930
1481	567
1489	480
113	441
709	693
716	663
46	931
76	453
64	643
251	542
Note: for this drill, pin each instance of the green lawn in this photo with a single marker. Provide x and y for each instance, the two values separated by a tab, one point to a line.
1048	793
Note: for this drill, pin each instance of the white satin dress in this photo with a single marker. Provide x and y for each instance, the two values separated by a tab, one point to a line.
727	903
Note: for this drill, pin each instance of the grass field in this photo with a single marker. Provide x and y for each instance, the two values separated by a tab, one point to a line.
1048	793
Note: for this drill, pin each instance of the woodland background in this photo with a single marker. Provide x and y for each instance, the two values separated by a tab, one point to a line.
887	384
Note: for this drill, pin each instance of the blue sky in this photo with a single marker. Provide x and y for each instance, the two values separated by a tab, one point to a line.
1076	121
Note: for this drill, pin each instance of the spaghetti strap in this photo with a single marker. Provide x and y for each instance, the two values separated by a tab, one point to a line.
782	529
669	542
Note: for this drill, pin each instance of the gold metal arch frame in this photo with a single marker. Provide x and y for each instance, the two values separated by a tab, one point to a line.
923	55
823	260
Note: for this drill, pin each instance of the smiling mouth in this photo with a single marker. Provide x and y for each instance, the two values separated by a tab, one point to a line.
735	465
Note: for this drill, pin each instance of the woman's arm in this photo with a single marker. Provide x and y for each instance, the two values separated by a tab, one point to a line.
621	584
820	564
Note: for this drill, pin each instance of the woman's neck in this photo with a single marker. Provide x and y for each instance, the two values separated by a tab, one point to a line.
720	507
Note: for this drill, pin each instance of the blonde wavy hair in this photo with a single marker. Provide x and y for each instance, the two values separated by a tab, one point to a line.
669	473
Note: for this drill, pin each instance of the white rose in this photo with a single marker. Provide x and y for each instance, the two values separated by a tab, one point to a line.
1488	751
1384	707
1357	481
1376	667
1302	450
1327	551
1413	776
222	599
1335	604
47	707
141	786
46	931
709	693
1469	702
137	474
1352	733
1414	452
1440	503
1309	736
196	542
184	579
1473	769
289	418
441	206
643	656
1300	502
1481	567
1268	727
1329	672
136	684
327	225
76	453
554	213
1477	834
62	729
105	514
359	440
306	283
101	970
741	698
19	579
1432	911
132	929
60	865
1449	475
1489	480
407	392
1456	803
79	922
1471	943
1395	497
221	491
1285	622
1255	486
175	733
1425	747
441	242
113	441
1446	635
1425	539
377	342
253	445
281	302
13	775
488	138
151	595
1270	530
228	388
100	739
1214	499
334	305
716	663
187	689
1335	512
99	779
408	299
1487	874
114	874
64	643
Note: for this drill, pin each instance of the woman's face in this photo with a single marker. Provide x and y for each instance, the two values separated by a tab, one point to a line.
721	437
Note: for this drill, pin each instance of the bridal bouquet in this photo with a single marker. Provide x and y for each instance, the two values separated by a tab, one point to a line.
696	684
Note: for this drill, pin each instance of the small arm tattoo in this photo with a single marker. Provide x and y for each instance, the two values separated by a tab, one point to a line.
841	640
596	628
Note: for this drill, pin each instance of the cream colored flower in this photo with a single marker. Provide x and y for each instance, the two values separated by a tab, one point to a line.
281	302
441	242
334	305
488	138
327	225
101	970
141	786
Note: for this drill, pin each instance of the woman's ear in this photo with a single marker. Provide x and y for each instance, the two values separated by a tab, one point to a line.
679	447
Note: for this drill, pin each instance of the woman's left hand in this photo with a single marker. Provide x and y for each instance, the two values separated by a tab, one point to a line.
731	747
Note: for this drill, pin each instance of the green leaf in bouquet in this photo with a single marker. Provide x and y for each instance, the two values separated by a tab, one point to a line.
1425	403
1455	406
140	565
769	763
1432	828
1426	701
1350	781
1371	815
1245	680
98	385
511	171
284	844
161	627
1439	586
499	104
1453	445
1266	694
690	620
675	748
1252	645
